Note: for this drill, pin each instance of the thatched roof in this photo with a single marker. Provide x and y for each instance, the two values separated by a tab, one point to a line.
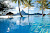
10	13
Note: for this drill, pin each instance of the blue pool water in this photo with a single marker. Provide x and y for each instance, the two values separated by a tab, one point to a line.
31	24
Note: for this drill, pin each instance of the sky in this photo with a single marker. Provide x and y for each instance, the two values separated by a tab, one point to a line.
32	10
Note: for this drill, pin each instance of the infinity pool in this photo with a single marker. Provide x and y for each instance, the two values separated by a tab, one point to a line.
31	24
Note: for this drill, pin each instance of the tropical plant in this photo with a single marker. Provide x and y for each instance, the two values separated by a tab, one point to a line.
26	3
19	2
18	5
29	4
44	5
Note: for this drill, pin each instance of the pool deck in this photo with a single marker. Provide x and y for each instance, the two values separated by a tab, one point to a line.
11	16
7	16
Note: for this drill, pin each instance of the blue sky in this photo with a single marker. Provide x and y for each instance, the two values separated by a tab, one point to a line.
32	10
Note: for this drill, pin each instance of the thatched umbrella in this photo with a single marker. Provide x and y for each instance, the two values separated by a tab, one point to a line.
10	13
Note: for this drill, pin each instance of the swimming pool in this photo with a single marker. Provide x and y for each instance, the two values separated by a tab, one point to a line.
31	24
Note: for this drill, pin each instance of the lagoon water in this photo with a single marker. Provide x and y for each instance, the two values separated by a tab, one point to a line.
31	24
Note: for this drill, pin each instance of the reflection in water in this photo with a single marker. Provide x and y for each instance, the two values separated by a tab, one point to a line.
8	30
31	24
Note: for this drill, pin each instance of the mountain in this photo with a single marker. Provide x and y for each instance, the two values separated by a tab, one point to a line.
22	13
10	13
37	14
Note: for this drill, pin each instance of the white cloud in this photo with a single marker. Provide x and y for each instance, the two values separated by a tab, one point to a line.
32	8
26	9
21	8
13	4
15	11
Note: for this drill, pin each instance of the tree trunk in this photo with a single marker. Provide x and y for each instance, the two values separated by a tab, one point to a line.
28	11
42	12
42	8
19	9
20	12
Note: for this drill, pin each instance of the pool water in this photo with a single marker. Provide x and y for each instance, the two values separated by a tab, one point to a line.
31	24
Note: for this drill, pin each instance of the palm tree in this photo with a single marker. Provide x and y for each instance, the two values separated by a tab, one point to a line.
44	5
18	5
29	4
19	2
26	3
